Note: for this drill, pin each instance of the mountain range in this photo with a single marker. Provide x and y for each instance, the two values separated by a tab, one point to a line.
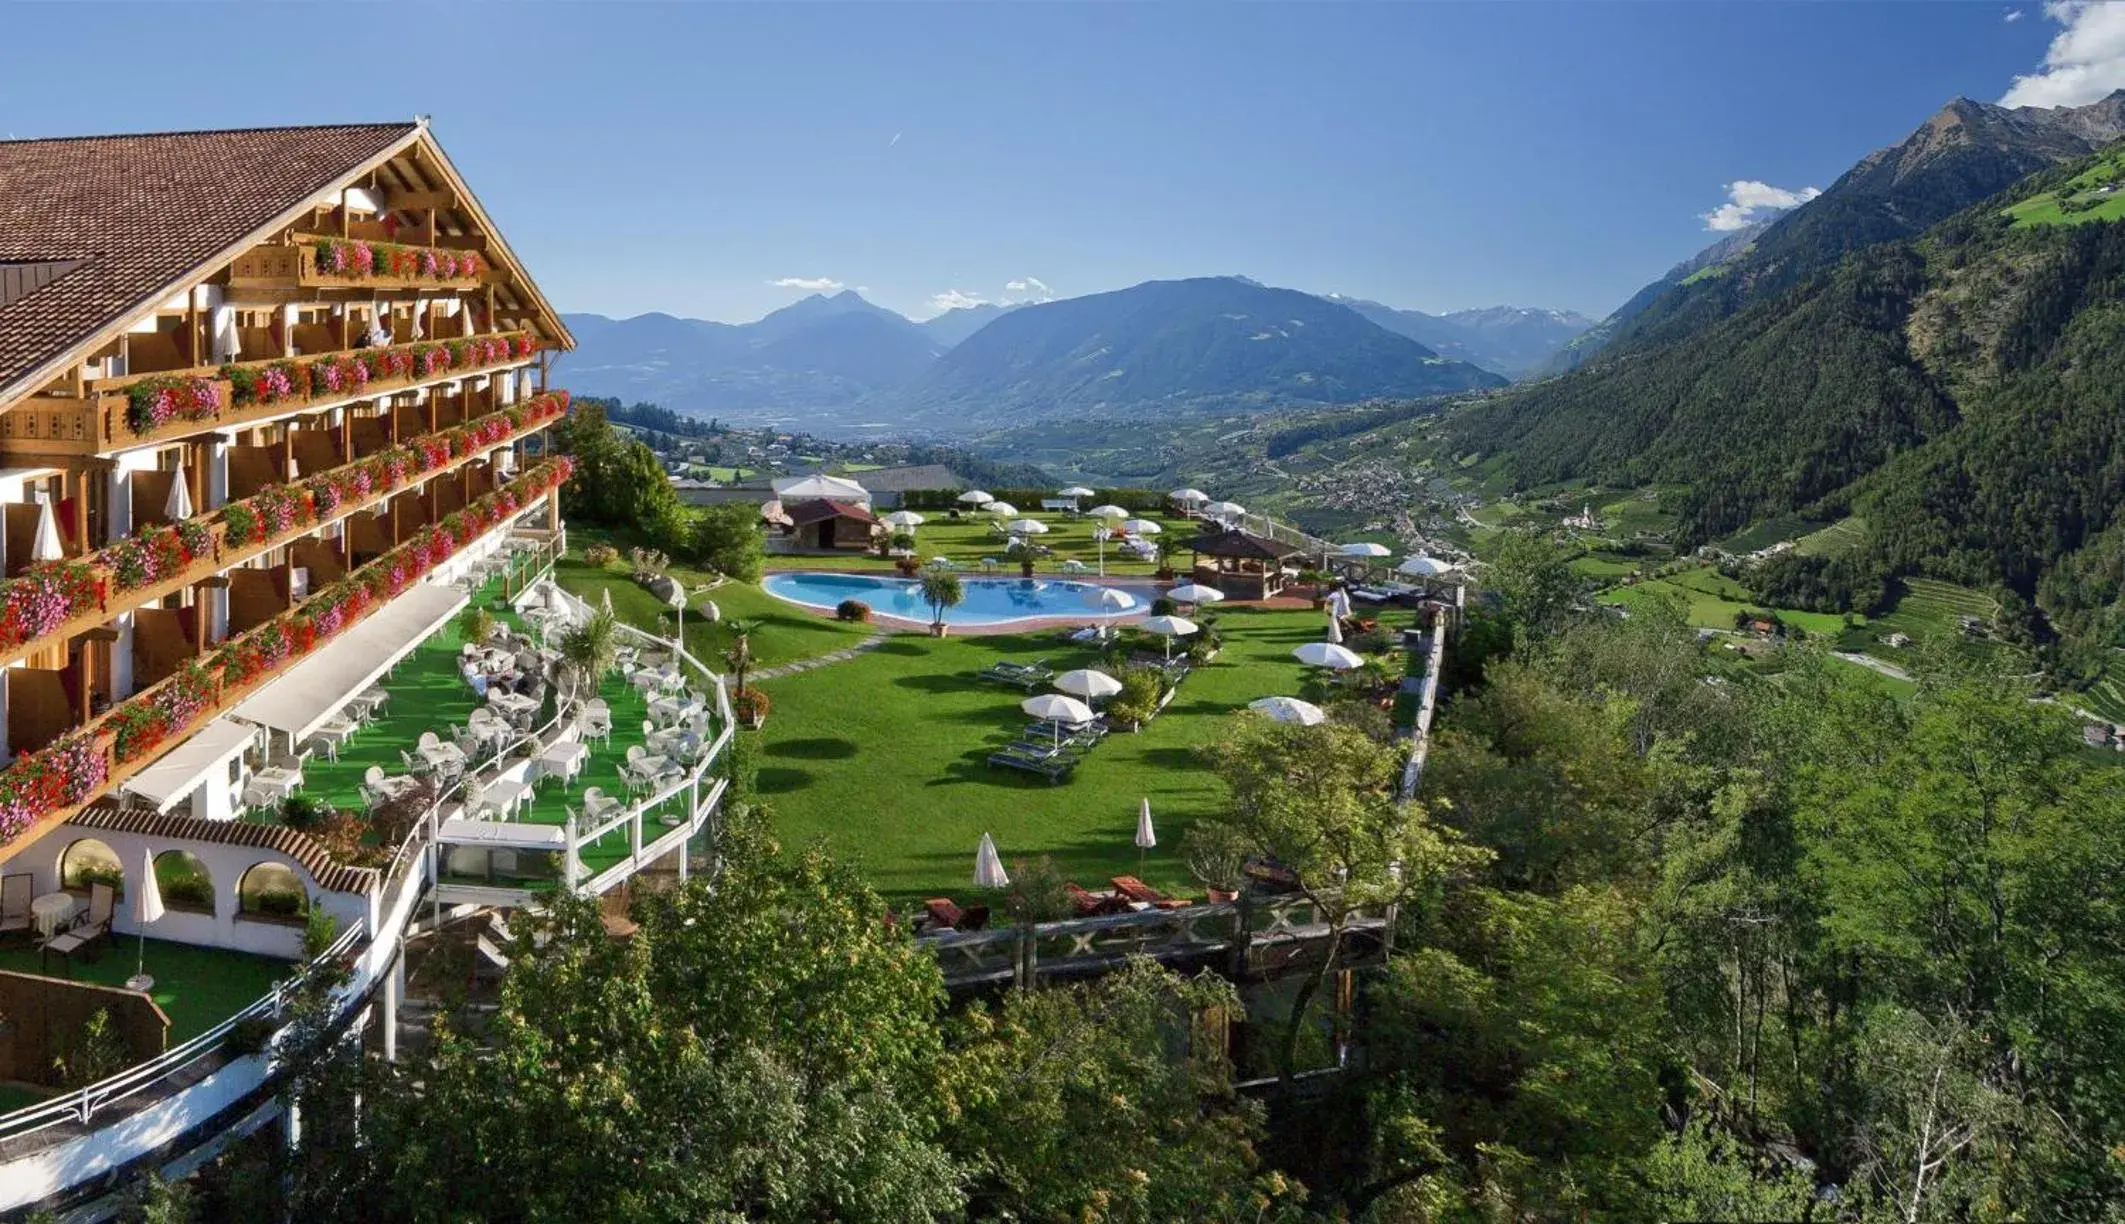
1162	346
1933	347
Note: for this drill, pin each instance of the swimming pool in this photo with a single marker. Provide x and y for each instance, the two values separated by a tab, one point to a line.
989	601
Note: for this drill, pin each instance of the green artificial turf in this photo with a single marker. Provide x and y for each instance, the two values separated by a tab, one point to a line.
784	633
884	757
196	987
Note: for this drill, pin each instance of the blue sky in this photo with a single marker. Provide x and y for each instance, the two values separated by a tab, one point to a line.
685	157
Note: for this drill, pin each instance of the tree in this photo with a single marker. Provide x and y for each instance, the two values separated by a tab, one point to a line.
1112	1101
727	539
589	650
618	482
1534	576
766	1049
941	589
1321	802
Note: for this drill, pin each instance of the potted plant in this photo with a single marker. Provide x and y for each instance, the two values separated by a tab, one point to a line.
1025	567
941	589
1318	581
590	649
1216	857
751	707
740	654
907	566
1165	560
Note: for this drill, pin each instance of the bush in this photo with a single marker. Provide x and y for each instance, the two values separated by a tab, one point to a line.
647	563
320	928
1163	606
304	813
278	903
249	1036
852	610
188	892
96	873
600	555
728	539
1138	700
96	1054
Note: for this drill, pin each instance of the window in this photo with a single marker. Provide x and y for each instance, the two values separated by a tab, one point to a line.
87	862
272	892
184	882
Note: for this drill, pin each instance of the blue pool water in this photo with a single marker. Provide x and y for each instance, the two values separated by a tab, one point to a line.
989	601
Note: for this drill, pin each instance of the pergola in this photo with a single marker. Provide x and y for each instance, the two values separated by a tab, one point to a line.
1239	563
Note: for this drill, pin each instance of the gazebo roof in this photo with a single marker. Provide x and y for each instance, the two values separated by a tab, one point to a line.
818	511
1242	545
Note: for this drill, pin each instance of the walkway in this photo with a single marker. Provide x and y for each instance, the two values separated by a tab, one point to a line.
843	655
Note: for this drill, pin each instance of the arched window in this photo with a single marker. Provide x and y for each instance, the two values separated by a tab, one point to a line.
184	882
87	862
272	891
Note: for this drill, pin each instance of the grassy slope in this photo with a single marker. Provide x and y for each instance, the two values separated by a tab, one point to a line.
884	757
2043	208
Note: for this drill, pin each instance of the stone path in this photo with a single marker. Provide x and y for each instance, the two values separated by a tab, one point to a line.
804	665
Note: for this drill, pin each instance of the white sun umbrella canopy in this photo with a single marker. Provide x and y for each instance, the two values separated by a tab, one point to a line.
178	505
903	518
1194	593
1169	628
1190	496
1089	683
1000	509
1366	548
1143	527
1224	509
988	865
1146	836
1423	566
1107	599
1107	512
1328	654
975	497
1074	491
1289	710
1058	709
1029	527
46	547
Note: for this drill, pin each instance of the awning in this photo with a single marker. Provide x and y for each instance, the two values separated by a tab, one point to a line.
312	691
507	835
180	771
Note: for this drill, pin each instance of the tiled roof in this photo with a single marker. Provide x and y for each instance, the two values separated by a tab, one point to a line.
329	874
818	511
906	477
1239	544
144	211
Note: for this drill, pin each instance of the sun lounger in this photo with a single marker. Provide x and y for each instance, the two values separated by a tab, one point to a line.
1089	904
1054	769
1024	675
1136	890
944	915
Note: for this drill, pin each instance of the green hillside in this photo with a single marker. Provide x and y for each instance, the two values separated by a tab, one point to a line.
2096	193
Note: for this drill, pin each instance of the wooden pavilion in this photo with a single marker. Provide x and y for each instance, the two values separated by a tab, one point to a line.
1239	563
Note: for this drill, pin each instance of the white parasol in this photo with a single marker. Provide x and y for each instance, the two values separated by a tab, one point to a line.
178	505
988	865
1089	683
975	497
1328	654
1194	593
47	547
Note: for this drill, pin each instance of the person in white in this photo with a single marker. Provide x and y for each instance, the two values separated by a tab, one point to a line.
1339	605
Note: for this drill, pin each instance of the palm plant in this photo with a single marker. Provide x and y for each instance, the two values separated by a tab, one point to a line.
476	625
591	649
740	654
941	589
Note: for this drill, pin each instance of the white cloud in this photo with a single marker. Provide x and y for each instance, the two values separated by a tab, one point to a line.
814	284
2013	15
1748	199
953	299
2085	61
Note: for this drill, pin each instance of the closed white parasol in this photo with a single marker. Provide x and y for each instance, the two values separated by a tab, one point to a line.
988	865
178	505
1289	710
46	546
1328	654
147	908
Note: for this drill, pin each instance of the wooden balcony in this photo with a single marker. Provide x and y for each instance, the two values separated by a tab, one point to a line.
306	261
410	511
104	418
87	763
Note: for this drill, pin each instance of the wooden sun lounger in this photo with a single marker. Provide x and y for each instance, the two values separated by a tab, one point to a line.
943	913
1136	890
1028	678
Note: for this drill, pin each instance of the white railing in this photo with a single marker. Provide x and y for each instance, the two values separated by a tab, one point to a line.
1428	701
81	1106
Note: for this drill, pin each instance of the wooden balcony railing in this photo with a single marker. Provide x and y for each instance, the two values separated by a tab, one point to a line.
54	601
321	261
44	788
138	409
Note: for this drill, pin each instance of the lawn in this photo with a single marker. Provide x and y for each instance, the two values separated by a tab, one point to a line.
1714	598
884	758
196	987
2094	191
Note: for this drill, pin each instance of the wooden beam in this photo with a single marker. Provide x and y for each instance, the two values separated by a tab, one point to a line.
214	581
101	633
415	201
